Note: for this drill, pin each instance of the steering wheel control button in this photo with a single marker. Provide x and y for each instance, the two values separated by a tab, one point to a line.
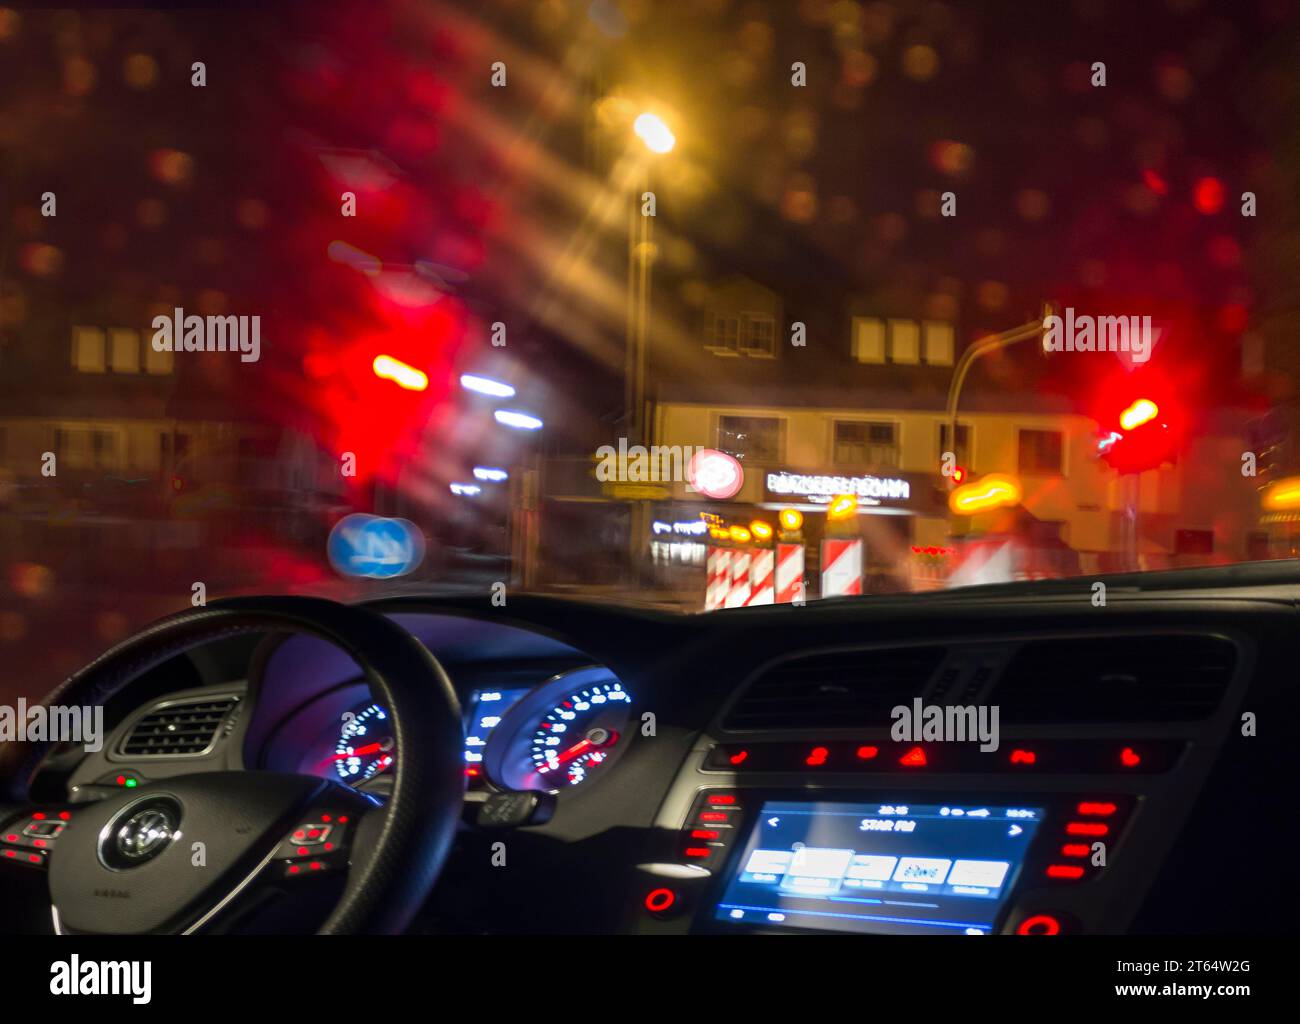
46	829
316	847
315	833
139	832
1042	924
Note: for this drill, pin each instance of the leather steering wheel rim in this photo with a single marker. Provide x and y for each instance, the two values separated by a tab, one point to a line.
387	885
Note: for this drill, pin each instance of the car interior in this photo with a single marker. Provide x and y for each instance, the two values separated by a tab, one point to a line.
454	765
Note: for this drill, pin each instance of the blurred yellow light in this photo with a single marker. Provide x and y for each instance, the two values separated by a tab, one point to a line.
739	534
845	506
404	376
791	519
761	530
651	129
1141	411
992	491
1282	494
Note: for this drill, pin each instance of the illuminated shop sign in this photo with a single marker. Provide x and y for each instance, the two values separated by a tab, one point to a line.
869	490
688	528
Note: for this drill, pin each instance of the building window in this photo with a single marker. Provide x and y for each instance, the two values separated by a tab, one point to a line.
88	350
939	340
1040	452
750	438
82	448
963	449
759	335
1193	542
868	340
157	364
103	446
866	444
124	350
904	342
726	334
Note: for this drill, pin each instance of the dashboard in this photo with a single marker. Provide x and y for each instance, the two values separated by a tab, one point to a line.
750	772
562	732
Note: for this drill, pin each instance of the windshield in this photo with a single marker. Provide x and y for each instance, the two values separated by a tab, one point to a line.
706	306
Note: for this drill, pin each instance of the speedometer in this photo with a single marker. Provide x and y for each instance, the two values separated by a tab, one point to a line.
576	735
561	734
365	745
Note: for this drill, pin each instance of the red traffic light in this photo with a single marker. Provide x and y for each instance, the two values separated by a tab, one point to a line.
1142	441
1142	411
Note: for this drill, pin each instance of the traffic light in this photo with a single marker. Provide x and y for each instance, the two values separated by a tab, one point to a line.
1141	440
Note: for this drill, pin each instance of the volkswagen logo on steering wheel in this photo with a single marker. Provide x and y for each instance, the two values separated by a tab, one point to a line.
139	834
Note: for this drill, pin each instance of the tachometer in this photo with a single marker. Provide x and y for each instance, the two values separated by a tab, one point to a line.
365	746
562	733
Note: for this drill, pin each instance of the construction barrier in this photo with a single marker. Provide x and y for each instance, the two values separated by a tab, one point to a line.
789	573
738	577
738	595
841	567
718	578
762	577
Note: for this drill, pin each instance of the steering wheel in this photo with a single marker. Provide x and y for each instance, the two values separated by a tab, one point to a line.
133	863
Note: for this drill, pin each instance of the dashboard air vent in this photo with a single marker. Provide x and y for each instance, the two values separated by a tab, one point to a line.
1116	679
178	728
844	689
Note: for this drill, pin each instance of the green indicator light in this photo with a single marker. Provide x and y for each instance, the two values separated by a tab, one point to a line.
131	783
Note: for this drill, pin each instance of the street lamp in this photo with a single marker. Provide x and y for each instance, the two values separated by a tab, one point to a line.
658	140
657	136
983	347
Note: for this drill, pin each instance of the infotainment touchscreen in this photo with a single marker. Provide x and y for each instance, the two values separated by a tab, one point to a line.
881	868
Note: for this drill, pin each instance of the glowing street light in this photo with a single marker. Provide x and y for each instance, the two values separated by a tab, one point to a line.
490	474
486	386
657	136
518	420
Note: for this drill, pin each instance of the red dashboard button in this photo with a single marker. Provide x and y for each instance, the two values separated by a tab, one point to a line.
1039	924
660	901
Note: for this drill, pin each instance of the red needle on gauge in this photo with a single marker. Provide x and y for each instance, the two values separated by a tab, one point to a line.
582	746
369	748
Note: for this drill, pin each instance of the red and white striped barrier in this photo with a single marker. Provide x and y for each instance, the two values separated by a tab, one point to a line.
762	577
841	567
789	573
718	578
738	595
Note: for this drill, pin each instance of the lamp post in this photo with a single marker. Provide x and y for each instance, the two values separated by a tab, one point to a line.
981	348
993	343
658	139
